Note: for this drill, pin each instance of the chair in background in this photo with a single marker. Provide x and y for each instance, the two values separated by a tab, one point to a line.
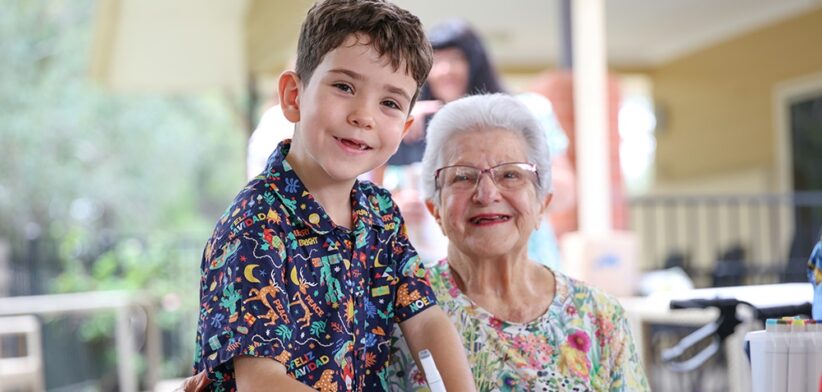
21	354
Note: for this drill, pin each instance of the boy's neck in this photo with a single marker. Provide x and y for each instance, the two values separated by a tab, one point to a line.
333	195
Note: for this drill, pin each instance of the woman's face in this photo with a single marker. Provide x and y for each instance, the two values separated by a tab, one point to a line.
488	221
448	78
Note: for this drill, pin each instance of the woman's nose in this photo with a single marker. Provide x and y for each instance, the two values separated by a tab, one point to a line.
487	191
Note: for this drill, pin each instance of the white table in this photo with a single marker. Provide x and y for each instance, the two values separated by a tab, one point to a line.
643	312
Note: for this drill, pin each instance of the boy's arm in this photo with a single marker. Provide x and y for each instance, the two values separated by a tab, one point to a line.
264	374
431	329
252	374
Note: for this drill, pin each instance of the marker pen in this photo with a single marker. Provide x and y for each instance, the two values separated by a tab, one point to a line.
432	375
814	354
797	357
761	366
777	351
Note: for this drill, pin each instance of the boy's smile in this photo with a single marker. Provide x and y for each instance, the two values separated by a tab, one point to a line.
351	114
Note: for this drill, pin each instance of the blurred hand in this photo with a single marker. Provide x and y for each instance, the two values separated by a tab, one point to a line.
196	383
564	184
420	110
411	207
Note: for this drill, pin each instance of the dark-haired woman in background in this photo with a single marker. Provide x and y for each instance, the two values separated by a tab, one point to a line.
463	67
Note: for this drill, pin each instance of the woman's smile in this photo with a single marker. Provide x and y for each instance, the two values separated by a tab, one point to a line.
489	219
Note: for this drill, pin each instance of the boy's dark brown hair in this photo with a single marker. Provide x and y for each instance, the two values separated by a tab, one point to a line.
393	31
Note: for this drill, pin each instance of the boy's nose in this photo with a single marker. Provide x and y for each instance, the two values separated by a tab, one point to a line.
361	117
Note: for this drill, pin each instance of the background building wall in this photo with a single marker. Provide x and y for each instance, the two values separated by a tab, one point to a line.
716	105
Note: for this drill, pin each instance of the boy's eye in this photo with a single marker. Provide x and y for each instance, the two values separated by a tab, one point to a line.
343	87
392	104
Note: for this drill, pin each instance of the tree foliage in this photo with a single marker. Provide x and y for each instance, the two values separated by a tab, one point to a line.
119	190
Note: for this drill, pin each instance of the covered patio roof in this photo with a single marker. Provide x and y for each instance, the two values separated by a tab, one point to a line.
187	45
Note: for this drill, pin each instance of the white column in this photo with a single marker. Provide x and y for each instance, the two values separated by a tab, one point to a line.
590	111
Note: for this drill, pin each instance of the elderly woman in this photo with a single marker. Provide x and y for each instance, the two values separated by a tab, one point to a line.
487	181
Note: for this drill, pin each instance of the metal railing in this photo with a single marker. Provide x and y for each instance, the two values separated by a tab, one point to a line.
126	306
724	240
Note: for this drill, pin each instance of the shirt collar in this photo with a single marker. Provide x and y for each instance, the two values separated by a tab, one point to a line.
299	203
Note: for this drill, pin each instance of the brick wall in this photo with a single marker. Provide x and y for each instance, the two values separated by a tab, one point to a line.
558	87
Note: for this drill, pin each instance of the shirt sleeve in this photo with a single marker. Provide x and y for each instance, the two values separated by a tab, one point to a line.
414	293
629	373
243	310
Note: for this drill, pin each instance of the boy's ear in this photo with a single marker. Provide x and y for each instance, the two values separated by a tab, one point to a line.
408	122
289	93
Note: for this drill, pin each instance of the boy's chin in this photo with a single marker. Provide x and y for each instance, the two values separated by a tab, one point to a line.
345	171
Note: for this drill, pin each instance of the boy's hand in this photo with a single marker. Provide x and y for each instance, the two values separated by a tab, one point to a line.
411	206
196	383
420	110
433	330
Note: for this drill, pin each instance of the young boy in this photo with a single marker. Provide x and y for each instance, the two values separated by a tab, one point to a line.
308	269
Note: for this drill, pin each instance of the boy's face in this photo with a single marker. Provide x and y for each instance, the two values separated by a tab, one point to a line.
352	113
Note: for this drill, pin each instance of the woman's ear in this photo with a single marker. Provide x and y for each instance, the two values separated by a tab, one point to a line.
435	212
289	93
545	203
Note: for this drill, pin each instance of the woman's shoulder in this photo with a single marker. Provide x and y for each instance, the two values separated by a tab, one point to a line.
449	296
441	280
596	299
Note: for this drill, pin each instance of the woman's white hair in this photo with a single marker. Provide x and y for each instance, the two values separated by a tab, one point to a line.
478	113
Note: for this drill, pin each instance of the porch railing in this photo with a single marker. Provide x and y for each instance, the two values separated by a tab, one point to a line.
724	240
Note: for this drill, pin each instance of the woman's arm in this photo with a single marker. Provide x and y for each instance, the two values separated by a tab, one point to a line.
431	329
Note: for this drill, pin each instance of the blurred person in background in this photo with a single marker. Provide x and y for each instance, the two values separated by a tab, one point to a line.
271	130
463	67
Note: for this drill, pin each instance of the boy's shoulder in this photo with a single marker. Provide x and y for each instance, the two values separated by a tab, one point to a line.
262	202
255	204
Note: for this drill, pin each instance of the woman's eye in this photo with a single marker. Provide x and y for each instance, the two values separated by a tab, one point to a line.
459	178
512	175
463	178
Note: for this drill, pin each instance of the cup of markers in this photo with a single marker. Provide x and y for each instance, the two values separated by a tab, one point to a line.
786	356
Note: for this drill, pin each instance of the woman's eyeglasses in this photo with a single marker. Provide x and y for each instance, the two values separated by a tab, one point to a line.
506	176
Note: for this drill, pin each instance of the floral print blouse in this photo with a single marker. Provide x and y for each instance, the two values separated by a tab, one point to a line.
581	343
